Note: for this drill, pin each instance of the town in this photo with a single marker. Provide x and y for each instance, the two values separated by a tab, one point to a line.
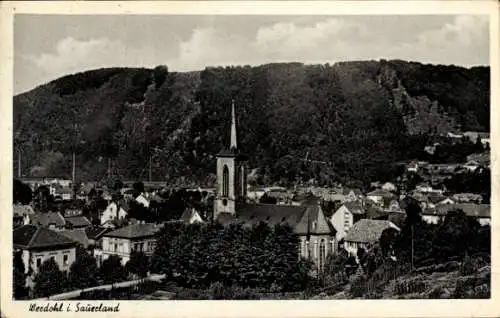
243	240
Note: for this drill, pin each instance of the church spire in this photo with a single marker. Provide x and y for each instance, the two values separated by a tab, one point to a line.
234	144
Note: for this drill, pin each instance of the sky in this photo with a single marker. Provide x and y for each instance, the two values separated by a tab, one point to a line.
47	47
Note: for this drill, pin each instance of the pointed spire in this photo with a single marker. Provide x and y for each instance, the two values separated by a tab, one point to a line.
234	144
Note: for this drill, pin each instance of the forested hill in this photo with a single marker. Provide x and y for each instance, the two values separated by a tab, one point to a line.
358	117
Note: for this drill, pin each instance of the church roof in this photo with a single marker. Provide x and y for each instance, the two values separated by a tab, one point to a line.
303	219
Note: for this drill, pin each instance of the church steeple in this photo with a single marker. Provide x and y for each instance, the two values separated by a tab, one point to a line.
231	174
234	143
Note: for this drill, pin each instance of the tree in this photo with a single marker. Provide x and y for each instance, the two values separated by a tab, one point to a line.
138	187
50	279
19	276
268	199
160	74
83	272
22	192
112	270
138	264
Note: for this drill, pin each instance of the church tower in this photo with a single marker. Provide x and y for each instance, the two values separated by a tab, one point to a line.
231	175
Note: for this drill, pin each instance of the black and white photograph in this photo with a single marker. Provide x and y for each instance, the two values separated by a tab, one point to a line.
253	157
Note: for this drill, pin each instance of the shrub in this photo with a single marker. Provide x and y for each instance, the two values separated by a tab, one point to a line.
436	293
358	286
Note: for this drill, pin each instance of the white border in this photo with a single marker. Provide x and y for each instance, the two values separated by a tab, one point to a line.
310	308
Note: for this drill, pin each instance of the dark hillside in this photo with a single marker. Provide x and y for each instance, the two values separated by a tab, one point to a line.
354	119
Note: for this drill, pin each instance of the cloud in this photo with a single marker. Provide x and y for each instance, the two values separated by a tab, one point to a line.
462	40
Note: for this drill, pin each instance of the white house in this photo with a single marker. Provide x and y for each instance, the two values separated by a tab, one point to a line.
113	212
190	216
345	216
379	195
142	200
365	233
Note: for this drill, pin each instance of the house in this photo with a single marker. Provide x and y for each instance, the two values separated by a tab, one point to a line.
142	200
473	136
38	244
72	212
412	166
281	195
365	233
437	199
345	217
76	222
114	211
467	198
77	235
379	195
255	194
481	212
351	195
426	188
64	192
136	237
94	236
21	214
190	216
472	165
51	220
433	216
389	186
482	159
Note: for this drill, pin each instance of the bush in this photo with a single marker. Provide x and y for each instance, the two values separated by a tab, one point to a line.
436	293
358	286
410	287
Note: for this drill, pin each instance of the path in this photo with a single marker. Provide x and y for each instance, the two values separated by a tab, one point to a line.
76	293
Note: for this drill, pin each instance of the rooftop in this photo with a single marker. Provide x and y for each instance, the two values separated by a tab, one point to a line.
48	218
135	231
368	231
30	237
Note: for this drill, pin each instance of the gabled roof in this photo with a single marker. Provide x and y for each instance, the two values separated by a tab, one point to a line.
188	214
77	235
368	231
95	232
471	209
135	231
303	219
355	207
30	237
77	221
48	218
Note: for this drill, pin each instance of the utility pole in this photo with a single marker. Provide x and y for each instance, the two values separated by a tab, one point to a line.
412	247
19	163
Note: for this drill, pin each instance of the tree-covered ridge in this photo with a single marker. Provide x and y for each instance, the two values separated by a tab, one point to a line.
358	118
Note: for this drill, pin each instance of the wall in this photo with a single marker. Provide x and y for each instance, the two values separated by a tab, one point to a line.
46	254
311	249
339	219
123	247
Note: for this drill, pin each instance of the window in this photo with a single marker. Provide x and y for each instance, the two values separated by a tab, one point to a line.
322	254
225	181
242	181
38	262
65	260
116	248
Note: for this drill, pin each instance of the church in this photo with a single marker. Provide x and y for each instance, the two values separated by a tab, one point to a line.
316	233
